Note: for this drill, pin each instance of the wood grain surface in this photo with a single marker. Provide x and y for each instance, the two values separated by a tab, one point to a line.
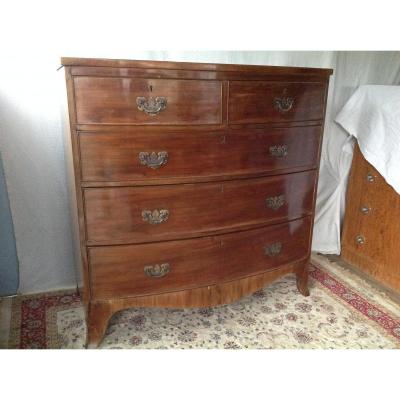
114	215
119	271
379	255
256	101
102	100
114	156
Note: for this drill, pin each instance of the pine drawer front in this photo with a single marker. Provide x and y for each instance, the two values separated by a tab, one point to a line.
132	270
154	213
262	102
132	101
154	156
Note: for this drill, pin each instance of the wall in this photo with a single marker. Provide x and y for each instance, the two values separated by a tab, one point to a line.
33	156
8	252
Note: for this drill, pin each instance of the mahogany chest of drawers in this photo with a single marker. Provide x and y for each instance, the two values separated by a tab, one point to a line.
195	183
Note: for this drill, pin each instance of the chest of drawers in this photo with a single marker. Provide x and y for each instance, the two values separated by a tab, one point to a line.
371	225
195	183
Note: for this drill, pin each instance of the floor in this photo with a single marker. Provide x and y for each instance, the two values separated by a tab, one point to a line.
344	311
395	296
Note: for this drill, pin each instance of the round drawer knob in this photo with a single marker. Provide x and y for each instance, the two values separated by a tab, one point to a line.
365	209
360	239
370	178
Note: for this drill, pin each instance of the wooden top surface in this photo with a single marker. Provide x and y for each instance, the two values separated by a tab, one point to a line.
114	63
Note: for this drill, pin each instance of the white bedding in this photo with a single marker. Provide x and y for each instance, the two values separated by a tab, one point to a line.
372	116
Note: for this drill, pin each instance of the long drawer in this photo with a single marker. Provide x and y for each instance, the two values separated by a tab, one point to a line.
137	101
131	270
147	156
261	101
155	213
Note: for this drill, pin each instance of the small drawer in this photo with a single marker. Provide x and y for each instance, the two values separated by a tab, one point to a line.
154	156
134	270
131	101
263	102
155	213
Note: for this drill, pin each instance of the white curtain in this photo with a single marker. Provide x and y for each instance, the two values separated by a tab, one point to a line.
32	148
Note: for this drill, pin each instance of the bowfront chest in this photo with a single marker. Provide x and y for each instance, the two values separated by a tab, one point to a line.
195	183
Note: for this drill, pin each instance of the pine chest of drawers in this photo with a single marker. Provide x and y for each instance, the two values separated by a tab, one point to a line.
371	228
195	183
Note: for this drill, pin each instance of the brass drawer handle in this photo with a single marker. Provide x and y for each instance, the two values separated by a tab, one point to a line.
273	249
360	239
283	104
275	202
153	160
152	105
370	178
278	151
365	209
157	270
155	217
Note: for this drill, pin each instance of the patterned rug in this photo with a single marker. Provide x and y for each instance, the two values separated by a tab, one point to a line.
342	312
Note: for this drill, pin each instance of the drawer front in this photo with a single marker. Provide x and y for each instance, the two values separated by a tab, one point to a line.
155	213
147	101
259	101
153	156
373	228
123	271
